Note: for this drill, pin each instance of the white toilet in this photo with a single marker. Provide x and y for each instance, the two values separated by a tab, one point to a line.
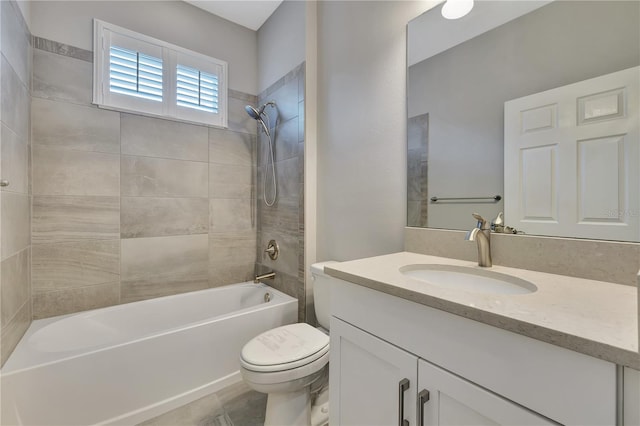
287	362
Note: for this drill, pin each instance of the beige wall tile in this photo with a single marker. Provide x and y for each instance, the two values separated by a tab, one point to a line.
13	332
16	290
75	219
286	141
153	137
15	161
64	125
61	77
229	147
231	215
14	101
64	265
153	267
15	40
283	216
239	120
285	97
288	177
157	217
15	223
70	300
231	258
232	274
287	260
154	177
62	172
231	181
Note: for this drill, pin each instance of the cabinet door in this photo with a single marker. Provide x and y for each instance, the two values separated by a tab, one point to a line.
631	401
452	400
372	382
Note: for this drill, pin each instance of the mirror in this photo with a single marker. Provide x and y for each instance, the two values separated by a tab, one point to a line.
461	73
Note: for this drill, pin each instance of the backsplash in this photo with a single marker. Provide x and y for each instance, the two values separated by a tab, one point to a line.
611	261
128	207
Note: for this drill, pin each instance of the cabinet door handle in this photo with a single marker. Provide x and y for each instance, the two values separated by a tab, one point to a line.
423	397
402	387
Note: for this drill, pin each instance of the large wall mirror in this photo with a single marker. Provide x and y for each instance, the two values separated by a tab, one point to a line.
528	108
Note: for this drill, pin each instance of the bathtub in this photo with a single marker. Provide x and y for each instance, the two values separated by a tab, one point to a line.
128	363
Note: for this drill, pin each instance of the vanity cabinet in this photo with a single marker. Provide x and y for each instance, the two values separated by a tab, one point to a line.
376	383
475	373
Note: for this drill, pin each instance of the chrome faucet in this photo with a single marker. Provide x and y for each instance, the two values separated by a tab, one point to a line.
482	235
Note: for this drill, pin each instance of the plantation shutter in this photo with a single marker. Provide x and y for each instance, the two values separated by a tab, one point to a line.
200	90
135	74
197	89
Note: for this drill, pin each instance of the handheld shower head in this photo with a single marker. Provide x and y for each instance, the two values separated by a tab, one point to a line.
253	113
256	114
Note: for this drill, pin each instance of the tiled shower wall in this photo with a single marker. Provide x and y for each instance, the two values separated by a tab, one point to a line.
284	221
127	207
15	199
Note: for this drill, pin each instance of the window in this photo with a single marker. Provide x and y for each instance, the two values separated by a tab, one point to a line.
136	73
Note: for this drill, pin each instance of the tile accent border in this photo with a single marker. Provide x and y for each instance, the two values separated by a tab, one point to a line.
61	49
610	261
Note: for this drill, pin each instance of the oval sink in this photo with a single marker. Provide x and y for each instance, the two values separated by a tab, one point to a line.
468	279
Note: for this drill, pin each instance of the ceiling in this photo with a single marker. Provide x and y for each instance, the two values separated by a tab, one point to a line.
248	13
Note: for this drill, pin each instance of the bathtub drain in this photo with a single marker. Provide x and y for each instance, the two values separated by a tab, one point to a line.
267	297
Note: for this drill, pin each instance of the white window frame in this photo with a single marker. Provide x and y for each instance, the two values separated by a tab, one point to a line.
106	34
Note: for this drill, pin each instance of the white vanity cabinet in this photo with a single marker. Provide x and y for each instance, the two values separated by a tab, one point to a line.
475	373
372	382
375	383
446	399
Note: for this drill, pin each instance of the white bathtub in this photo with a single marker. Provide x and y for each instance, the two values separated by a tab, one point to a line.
128	363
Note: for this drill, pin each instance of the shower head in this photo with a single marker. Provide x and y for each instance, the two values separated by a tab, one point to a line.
256	114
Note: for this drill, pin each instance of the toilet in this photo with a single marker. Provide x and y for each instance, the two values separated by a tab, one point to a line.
290	364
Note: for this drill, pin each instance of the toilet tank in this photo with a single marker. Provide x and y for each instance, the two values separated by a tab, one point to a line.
321	296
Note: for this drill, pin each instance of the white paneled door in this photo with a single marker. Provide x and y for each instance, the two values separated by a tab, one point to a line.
572	159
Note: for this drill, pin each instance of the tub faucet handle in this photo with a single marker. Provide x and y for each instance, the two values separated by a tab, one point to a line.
272	250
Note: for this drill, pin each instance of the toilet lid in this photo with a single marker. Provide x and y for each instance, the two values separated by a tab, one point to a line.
297	344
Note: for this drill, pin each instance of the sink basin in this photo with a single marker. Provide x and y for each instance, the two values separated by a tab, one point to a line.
468	279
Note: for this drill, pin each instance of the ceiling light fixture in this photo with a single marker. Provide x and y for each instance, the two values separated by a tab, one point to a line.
454	9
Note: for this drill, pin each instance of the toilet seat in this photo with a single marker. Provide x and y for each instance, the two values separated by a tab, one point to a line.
284	348
304	374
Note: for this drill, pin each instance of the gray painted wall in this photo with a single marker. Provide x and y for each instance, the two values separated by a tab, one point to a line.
362	127
70	22
281	43
464	89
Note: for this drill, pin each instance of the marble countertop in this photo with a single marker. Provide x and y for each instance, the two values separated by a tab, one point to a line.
595	318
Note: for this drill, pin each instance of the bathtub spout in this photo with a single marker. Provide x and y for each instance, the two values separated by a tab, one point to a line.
268	275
